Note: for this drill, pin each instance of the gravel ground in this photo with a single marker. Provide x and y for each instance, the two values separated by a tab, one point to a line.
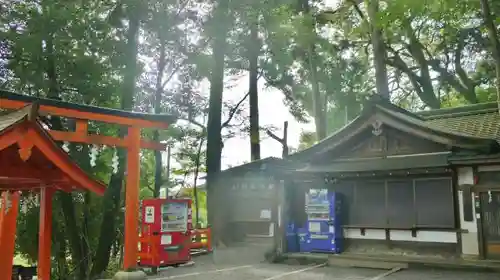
429	274
246	262
287	272
272	272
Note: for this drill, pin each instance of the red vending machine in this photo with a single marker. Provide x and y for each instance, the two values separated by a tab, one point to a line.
165	232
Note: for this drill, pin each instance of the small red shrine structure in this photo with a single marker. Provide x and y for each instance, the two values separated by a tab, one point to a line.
30	160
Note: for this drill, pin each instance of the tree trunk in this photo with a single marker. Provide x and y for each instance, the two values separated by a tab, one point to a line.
379	52
59	239
111	202
284	153
253	57
489	22
195	183
66	200
319	106
85	244
157	109
214	147
318	99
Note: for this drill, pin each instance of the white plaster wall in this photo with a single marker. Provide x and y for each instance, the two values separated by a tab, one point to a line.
488	168
373	234
424	236
403	235
470	245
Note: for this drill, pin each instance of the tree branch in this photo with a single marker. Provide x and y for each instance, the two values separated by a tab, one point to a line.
233	111
172	73
451	80
466	81
274	136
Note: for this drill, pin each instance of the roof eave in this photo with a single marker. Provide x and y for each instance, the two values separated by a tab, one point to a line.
88	183
88	108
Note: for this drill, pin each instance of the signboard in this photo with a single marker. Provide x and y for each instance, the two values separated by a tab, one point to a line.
265	214
150	215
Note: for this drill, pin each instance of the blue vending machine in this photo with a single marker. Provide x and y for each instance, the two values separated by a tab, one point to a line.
323	224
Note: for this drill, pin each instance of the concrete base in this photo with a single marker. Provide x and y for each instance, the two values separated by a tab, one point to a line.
470	257
366	263
136	275
389	262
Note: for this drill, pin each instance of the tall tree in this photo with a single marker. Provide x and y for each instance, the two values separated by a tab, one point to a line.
489	19
132	10
218	32
379	53
318	98
253	49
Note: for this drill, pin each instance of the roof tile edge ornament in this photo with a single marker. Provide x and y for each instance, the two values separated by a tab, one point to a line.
377	127
25	148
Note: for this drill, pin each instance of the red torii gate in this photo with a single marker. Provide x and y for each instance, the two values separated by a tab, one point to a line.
132	142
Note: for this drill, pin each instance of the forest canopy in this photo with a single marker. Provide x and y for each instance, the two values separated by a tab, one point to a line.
178	57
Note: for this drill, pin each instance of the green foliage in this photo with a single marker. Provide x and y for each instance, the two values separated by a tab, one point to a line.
76	50
201	199
438	55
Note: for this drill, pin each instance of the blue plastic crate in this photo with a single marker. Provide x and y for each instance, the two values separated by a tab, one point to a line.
304	240
292	238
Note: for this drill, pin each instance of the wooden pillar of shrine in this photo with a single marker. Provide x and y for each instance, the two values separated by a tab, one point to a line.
2	212
45	233
10	208
132	198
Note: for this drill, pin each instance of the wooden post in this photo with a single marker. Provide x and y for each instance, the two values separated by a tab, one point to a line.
279	229
2	212
45	234
132	198
10	208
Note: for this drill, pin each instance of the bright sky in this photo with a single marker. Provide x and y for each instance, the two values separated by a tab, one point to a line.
272	111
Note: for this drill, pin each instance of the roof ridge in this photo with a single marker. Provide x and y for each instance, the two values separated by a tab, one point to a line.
469	109
377	100
423	123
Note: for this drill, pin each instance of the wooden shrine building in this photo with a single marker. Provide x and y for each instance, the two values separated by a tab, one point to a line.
247	200
426	182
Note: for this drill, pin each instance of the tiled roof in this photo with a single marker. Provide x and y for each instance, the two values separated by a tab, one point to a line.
9	119
436	125
472	126
478	120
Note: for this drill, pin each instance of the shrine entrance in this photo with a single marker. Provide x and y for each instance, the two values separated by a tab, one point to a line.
30	160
